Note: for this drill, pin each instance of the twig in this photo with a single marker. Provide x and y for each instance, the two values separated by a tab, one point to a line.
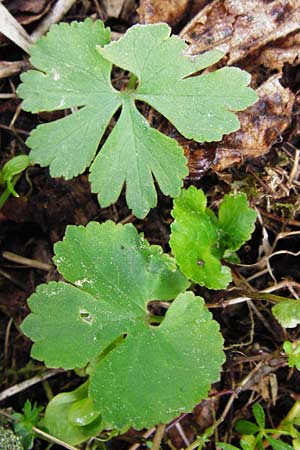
50	438
10	68
26	261
159	434
13	30
146	435
6	275
13	390
58	11
261	295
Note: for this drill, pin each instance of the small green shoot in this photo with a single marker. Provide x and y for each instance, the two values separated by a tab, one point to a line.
200	240
73	66
23	424
138	369
9	175
255	435
292	350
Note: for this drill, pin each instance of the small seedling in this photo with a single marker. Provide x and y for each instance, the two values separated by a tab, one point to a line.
23	423
255	435
73	66
200	240
9	175
138	366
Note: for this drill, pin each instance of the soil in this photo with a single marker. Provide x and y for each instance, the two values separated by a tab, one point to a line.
256	368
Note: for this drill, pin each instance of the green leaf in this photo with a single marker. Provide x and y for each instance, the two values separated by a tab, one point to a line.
71	74
13	167
246	427
259	415
133	153
138	371
245	445
76	74
278	445
287	313
201	108
292	349
67	419
236	220
199	240
225	446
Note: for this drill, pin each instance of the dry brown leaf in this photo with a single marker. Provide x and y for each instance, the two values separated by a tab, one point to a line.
170	11
261	126
240	27
286	50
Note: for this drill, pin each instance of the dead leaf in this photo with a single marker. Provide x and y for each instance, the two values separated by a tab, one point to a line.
261	126
170	11
239	28
283	51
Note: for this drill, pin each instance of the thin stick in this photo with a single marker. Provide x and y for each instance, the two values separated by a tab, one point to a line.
13	390
146	435
159	434
52	439
58	11
26	261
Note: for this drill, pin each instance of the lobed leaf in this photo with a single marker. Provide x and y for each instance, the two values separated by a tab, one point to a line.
199	240
201	107
138	371
73	68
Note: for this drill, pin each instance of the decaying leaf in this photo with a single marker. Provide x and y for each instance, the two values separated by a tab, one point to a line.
261	126
286	50
239	28
170	11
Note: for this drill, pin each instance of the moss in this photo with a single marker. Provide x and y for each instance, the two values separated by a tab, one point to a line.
8	440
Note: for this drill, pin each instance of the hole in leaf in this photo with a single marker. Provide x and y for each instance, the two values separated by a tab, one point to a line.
85	316
200	262
156	312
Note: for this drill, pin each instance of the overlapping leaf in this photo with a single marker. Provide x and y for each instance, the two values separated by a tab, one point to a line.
199	240
72	73
138	371
287	313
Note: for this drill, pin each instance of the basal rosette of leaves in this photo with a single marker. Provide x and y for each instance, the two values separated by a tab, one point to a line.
200	240
140	374
73	66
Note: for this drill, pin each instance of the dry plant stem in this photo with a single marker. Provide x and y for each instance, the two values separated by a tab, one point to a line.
52	439
159	434
262	295
146	435
26	261
6	275
55	15
226	410
13	390
6	342
13	30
